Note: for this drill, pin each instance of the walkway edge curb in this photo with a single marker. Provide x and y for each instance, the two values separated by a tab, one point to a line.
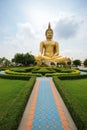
66	112
23	121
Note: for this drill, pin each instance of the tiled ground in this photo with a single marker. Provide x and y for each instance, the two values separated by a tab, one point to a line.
46	116
46	112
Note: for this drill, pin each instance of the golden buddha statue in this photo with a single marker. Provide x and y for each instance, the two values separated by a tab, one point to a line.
49	49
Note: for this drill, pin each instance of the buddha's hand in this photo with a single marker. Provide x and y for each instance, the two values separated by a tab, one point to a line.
40	54
47	54
56	54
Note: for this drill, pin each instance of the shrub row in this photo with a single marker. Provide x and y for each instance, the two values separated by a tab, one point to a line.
74	112
71	77
2	68
43	71
19	77
36	68
83	70
63	70
12	119
22	73
16	69
22	69
74	72
16	73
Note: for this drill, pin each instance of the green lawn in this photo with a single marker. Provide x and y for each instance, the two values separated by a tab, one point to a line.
9	89
13	97
75	91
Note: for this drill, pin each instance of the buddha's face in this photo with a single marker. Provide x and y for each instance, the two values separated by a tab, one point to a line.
49	34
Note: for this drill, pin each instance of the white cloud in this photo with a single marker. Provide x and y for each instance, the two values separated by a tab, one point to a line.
71	33
24	41
66	28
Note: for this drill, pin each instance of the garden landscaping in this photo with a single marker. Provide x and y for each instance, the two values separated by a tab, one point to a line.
16	86
13	98
42	71
74	94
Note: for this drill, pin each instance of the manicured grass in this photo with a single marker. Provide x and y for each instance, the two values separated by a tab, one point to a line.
78	90
9	89
74	93
13	97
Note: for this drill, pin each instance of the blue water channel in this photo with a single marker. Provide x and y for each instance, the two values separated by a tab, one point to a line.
2	72
46	115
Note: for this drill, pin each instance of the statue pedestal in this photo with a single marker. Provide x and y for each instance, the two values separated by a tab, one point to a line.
48	63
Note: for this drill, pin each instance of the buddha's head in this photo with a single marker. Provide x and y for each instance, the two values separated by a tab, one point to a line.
49	32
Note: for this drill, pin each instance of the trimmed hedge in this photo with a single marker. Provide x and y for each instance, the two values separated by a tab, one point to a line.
16	72
71	77
19	77
2	68
29	69
83	70
77	118
63	70
21	69
74	72
22	73
43	70
11	121
35	68
17	69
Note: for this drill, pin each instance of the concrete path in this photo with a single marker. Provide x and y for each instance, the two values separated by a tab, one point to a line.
45	109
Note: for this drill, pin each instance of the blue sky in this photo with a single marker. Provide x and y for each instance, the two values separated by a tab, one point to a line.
23	24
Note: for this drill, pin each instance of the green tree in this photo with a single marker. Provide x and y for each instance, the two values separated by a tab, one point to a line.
69	63
32	59
77	62
1	61
12	60
19	58
28	59
24	59
5	62
85	62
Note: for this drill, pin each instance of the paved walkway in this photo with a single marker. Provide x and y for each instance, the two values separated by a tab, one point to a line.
45	109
